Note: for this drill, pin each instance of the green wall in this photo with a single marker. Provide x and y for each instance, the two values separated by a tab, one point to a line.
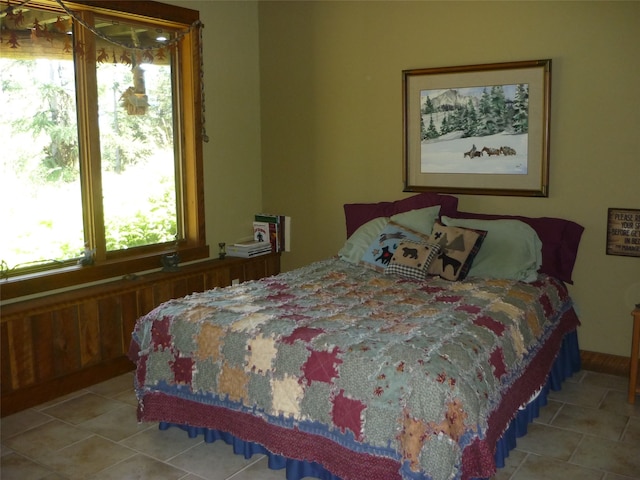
304	114
331	120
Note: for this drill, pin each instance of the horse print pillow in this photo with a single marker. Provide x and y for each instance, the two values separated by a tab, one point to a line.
412	260
458	248
381	250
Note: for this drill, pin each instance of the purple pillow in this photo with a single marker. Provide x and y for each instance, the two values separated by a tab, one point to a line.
560	240
357	214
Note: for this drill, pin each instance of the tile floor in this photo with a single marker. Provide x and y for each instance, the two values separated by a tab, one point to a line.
587	431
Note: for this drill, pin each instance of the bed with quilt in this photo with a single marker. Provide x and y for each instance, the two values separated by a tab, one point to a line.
420	351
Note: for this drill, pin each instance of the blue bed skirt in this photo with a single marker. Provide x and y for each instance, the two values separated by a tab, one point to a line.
565	365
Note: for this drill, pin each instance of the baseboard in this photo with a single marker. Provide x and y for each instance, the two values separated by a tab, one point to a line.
605	363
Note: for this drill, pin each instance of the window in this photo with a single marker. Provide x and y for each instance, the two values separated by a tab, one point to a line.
102	128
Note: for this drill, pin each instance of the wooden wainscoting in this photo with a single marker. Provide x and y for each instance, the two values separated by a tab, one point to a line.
60	343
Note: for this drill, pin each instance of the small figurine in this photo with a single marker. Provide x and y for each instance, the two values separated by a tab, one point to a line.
223	250
170	262
87	256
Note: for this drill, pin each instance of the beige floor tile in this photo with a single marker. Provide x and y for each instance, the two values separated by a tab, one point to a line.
161	444
543	468
46	439
616	402
632	432
549	441
577	376
140	467
114	386
212	461
548	412
17	467
87	457
613	476
61	399
116	424
615	457
610	382
591	421
128	397
260	470
578	394
82	408
54	476
21	421
511	464
5	450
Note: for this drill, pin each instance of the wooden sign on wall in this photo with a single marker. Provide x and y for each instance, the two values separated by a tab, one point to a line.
623	232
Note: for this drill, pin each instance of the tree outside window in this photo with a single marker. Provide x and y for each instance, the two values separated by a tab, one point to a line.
102	154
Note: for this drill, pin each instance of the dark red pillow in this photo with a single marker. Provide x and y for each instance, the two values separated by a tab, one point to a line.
560	240
357	214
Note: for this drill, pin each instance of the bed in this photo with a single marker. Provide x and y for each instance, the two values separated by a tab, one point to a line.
420	351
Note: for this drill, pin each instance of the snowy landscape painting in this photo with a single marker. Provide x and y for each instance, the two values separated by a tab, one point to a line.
480	129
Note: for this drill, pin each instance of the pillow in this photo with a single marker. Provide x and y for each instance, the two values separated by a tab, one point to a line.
380	251
560	240
511	249
458	248
412	260
420	220
357	214
356	245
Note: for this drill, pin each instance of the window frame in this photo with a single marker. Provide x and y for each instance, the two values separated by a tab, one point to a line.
191	174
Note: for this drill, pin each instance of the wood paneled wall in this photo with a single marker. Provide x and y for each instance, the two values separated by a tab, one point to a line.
63	342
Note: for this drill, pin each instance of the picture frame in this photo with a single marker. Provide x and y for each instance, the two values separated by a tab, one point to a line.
623	232
478	129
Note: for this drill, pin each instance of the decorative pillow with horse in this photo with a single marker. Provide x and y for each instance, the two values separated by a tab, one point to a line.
458	248
412	260
381	250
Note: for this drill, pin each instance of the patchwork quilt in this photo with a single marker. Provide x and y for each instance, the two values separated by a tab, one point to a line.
418	379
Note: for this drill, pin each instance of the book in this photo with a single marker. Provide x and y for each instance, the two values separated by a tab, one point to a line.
246	254
264	231
287	233
248	249
249	245
279	230
261	233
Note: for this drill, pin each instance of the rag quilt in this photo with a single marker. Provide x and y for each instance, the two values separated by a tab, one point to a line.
418	377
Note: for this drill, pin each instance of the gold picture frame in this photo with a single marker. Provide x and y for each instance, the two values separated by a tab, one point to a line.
478	129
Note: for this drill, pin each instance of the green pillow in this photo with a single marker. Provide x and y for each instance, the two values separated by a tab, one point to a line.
421	220
511	250
355	246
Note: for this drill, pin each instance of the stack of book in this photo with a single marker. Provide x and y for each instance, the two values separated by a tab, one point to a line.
248	249
274	229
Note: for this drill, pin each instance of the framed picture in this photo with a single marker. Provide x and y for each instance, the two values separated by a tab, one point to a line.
478	129
623	232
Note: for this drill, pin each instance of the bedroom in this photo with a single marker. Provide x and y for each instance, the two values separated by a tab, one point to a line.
328	126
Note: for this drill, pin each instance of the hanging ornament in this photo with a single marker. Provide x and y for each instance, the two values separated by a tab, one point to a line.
135	99
79	49
125	57
13	40
103	56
